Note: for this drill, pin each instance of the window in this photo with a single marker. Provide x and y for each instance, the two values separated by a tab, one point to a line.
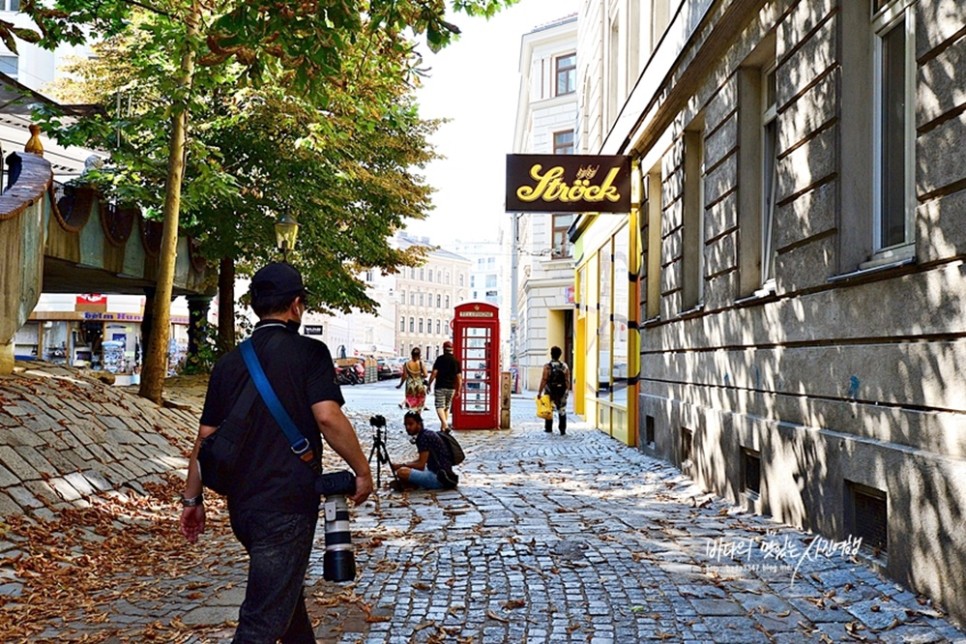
447	301
894	192
769	174
412	325
429	276
439	300
422	274
560	243
563	142
402	323
491	281
369	276
438	326
472	281
566	74
420	299
412	299
660	19
402	297
653	292
10	5
8	65
692	279
462	279
420	325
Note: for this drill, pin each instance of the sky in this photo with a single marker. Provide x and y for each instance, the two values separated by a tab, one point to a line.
475	82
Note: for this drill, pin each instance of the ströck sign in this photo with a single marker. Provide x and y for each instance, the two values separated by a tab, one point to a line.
568	183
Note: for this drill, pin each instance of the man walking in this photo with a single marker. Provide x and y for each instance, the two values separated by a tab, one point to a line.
556	382
448	377
273	506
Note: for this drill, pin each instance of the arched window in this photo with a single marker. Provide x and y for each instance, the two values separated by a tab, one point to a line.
420	325
412	325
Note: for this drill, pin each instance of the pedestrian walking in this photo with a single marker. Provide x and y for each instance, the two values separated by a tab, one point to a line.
273	506
448	377
433	467
414	378
555	381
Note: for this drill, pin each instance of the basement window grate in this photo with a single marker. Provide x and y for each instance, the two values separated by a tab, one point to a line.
751	471
687	441
869	510
649	430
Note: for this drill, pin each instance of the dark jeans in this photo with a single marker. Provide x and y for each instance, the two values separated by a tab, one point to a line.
560	406
278	548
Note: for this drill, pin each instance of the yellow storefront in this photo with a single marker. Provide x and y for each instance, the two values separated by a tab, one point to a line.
607	250
607	343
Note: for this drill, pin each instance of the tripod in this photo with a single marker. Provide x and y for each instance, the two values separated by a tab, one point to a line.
381	454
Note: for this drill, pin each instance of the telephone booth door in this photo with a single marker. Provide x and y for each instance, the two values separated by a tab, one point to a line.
476	344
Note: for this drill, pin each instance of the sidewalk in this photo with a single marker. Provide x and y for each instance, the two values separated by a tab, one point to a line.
549	538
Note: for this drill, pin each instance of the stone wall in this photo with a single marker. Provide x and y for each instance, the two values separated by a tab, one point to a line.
842	382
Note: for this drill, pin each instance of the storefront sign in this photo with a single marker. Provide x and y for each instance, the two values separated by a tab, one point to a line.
311	329
568	183
90	302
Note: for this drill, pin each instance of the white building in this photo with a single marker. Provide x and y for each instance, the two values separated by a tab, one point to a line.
33	66
426	296
543	270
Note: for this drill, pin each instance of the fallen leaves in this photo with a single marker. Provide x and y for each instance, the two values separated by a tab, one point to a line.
124	547
492	615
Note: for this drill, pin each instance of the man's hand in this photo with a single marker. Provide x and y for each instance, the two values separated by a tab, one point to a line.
363	489
193	522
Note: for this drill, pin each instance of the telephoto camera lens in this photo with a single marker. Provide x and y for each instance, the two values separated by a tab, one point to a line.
338	563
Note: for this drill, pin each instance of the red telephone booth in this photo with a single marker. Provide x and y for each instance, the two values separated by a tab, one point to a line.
476	344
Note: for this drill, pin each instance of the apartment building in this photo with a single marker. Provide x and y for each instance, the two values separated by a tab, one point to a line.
542	272
801	291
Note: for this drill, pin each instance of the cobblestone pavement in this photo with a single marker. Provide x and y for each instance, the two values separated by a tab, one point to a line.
549	538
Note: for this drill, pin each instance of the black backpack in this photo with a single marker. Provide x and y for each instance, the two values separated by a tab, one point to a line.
557	382
455	450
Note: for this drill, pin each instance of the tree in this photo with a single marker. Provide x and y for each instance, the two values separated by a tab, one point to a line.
299	41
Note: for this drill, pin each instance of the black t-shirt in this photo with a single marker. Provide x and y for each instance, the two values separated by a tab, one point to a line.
301	372
446	368
439	457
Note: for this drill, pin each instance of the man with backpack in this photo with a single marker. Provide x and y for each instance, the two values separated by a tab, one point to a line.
556	383
432	469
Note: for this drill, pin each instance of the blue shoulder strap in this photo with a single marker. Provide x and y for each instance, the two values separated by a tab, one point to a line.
300	445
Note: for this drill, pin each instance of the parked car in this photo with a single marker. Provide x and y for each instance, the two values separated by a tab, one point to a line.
388	368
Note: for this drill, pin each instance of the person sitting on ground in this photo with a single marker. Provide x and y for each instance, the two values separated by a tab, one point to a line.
433	467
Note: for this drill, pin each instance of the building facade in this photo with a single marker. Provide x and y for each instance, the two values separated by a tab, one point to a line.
802	298
542	271
426	296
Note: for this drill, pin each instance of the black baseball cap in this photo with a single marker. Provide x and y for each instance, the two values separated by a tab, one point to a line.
278	278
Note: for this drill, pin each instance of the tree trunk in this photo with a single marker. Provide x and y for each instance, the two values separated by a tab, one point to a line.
156	358
226	305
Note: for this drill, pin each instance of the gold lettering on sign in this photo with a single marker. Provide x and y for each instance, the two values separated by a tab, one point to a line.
551	187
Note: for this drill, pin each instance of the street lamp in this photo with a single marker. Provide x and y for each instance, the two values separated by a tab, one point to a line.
286	230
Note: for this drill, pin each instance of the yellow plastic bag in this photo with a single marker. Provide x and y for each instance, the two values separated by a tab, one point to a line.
544	408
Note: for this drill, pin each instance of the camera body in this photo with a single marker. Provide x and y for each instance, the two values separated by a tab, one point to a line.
335	483
338	563
377	421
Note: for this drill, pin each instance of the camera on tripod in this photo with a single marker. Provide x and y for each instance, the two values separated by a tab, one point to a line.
377	421
339	563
